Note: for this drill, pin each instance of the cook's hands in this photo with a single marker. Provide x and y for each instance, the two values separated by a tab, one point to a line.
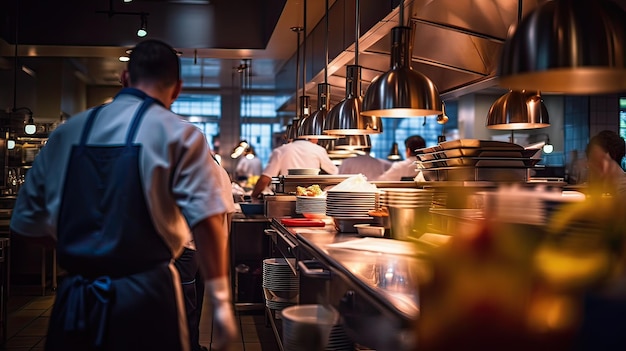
224	325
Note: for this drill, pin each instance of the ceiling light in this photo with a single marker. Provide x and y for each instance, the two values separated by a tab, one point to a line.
312	127
239	149
567	46
518	110
353	142
394	153
124	58
143	29
10	144
401	92
346	118
29	127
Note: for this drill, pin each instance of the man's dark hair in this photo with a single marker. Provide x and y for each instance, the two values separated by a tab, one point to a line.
153	61
414	142
610	142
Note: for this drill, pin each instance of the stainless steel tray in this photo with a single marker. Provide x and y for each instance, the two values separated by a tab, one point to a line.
497	162
493	174
477	152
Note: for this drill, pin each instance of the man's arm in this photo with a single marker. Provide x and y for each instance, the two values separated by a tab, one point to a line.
260	185
211	239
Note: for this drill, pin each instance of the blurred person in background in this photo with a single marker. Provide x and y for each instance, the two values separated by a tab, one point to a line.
296	154
406	169
132	191
576	169
249	167
604	158
363	163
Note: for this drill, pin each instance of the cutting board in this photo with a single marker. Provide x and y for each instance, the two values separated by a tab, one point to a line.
302	222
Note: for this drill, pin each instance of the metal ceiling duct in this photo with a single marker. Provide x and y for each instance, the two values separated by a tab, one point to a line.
517	110
567	46
401	92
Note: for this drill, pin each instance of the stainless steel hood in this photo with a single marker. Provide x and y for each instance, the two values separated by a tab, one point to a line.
456	44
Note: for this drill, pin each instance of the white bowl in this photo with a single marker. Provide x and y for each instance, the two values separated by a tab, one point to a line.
370	230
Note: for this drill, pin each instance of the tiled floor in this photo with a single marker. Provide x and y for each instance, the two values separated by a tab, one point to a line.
29	315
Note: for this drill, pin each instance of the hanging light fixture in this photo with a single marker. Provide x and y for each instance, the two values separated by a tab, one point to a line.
518	110
143	28
295	123
353	142
345	118
401	92
239	149
312	127
305	100
29	123
394	153
567	46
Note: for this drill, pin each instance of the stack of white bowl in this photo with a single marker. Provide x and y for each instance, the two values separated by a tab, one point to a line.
311	204
281	286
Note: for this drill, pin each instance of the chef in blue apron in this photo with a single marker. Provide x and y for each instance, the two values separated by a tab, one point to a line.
120	189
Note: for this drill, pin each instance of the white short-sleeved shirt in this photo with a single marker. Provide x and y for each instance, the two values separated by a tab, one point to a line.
181	182
249	166
298	154
399	170
366	165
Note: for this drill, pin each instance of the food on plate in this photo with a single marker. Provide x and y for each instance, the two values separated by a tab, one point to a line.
313	190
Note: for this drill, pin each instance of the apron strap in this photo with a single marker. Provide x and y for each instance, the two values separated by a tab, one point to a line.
90	119
137	119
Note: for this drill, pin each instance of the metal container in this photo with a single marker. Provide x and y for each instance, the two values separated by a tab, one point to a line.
408	223
278	206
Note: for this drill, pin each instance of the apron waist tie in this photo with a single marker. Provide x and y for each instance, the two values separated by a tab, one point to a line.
76	319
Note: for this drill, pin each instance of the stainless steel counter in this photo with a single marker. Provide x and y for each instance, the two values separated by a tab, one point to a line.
375	291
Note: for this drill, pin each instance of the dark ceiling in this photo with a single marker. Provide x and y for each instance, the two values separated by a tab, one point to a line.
456	43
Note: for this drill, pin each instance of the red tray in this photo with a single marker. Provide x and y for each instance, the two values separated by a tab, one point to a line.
302	222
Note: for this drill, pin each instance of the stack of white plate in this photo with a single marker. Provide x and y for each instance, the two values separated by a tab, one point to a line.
310	204
349	204
280	286
406	197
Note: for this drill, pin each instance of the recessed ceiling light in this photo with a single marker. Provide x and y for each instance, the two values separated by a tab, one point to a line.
124	58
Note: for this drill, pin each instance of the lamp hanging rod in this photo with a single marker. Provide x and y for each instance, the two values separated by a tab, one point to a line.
326	47
304	52
357	34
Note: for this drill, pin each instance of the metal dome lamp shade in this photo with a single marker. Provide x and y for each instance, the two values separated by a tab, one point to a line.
567	46
401	92
345	118
517	110
353	142
312	126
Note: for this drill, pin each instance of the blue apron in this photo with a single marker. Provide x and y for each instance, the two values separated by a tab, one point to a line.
121	290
